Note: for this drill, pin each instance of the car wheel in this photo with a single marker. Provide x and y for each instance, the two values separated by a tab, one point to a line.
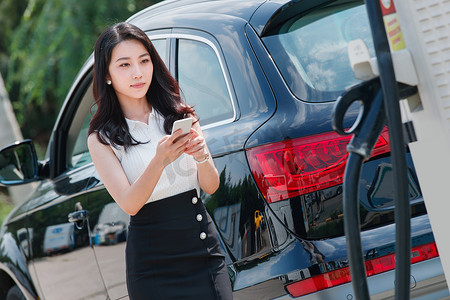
14	293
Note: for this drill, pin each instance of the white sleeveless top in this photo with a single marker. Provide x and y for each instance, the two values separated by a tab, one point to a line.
177	177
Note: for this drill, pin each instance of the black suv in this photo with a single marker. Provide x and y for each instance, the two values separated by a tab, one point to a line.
264	77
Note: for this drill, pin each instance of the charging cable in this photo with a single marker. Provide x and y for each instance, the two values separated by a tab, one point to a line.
366	131
398	152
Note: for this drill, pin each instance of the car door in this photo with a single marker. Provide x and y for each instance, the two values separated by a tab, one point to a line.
200	70
58	221
206	82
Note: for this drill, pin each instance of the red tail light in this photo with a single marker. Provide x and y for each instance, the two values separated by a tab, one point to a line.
373	267
295	167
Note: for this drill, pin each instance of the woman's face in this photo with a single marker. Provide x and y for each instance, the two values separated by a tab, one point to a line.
130	70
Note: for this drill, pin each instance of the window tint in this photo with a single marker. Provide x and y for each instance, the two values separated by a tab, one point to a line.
160	46
77	137
81	154
311	51
202	81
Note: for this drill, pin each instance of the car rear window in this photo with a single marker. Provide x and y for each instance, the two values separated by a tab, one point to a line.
310	50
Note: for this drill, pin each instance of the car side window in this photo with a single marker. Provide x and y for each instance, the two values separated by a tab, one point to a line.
160	46
202	81
78	131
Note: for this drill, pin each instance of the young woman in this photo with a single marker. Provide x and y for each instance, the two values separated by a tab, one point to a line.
172	248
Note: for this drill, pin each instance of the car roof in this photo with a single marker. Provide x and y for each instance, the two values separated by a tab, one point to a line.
163	12
263	15
236	8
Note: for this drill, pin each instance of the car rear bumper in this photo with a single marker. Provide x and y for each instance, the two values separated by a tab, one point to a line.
427	282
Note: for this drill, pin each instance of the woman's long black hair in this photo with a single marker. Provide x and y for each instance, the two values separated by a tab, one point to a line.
163	93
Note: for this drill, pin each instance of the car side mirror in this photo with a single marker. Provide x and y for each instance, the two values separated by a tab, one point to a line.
18	164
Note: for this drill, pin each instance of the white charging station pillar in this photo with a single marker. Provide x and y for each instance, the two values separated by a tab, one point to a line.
425	25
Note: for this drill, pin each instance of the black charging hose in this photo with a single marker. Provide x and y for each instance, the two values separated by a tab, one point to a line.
380	100
392	108
352	225
365	136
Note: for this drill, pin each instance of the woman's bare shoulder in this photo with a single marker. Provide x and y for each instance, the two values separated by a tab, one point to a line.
93	141
93	138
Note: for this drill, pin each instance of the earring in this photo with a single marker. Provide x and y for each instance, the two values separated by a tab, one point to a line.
108	82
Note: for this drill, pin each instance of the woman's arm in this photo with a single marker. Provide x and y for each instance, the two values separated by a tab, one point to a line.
207	174
131	197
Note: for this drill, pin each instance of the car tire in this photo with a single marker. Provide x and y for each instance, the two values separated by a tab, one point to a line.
14	293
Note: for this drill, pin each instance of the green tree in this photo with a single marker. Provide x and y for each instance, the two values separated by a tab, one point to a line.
11	12
48	48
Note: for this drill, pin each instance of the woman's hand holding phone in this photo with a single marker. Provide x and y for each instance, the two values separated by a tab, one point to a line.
172	146
185	139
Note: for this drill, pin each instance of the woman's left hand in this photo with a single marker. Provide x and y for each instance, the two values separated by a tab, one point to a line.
196	146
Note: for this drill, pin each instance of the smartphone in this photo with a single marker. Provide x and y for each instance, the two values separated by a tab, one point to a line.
183	124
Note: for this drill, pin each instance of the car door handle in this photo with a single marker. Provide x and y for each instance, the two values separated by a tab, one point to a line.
79	215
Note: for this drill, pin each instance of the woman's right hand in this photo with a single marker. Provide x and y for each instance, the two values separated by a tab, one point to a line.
171	147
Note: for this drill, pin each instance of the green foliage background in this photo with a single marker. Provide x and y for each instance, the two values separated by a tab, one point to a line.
44	44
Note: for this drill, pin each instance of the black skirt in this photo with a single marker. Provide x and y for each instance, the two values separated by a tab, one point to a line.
173	252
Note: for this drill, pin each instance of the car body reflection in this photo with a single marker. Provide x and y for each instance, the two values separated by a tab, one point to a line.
112	226
60	237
